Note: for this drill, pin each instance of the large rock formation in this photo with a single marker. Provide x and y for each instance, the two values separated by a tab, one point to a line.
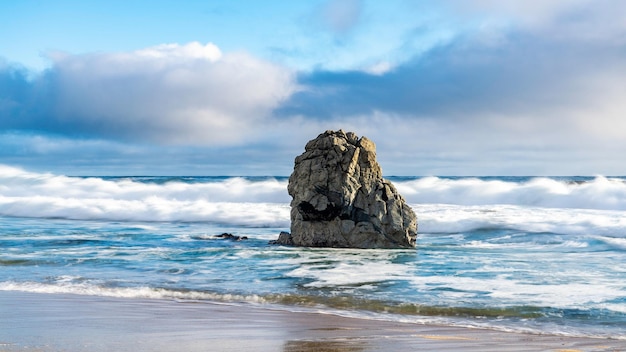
341	200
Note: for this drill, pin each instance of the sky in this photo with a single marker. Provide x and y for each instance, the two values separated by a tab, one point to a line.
201	87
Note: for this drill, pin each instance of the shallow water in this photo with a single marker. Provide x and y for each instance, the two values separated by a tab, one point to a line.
522	254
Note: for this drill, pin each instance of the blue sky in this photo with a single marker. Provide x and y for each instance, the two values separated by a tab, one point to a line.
449	87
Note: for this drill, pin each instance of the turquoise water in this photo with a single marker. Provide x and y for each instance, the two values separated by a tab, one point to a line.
511	253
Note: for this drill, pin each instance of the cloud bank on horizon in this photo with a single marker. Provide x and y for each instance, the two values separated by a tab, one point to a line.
448	88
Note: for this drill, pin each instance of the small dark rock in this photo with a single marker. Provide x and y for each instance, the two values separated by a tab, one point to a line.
230	236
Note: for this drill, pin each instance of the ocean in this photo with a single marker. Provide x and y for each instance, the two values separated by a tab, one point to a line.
527	254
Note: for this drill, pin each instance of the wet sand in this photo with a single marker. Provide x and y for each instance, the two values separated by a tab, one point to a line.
49	322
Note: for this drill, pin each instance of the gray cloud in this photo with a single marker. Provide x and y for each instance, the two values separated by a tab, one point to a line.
90	156
525	97
527	74
184	94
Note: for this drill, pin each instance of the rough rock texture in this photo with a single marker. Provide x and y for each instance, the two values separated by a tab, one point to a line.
341	200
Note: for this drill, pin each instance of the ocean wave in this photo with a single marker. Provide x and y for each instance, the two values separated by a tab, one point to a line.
148	209
615	243
265	202
600	193
143	292
234	200
18	183
73	285
446	218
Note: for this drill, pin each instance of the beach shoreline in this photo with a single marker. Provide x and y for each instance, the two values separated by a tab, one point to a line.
64	322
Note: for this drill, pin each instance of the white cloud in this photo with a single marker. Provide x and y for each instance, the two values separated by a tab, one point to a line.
380	68
193	50
171	93
482	145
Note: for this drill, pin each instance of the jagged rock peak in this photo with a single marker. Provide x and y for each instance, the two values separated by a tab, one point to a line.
340	199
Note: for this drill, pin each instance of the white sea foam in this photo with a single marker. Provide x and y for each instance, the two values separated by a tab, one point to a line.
506	292
148	209
21	184
445	218
617	243
564	288
234	200
442	205
600	193
350	273
90	289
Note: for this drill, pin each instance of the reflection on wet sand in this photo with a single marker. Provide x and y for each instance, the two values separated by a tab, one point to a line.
325	346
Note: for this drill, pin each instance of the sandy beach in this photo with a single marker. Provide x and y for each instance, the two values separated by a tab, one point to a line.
49	322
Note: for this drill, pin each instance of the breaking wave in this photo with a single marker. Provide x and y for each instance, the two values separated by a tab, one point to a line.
601	193
265	202
221	200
